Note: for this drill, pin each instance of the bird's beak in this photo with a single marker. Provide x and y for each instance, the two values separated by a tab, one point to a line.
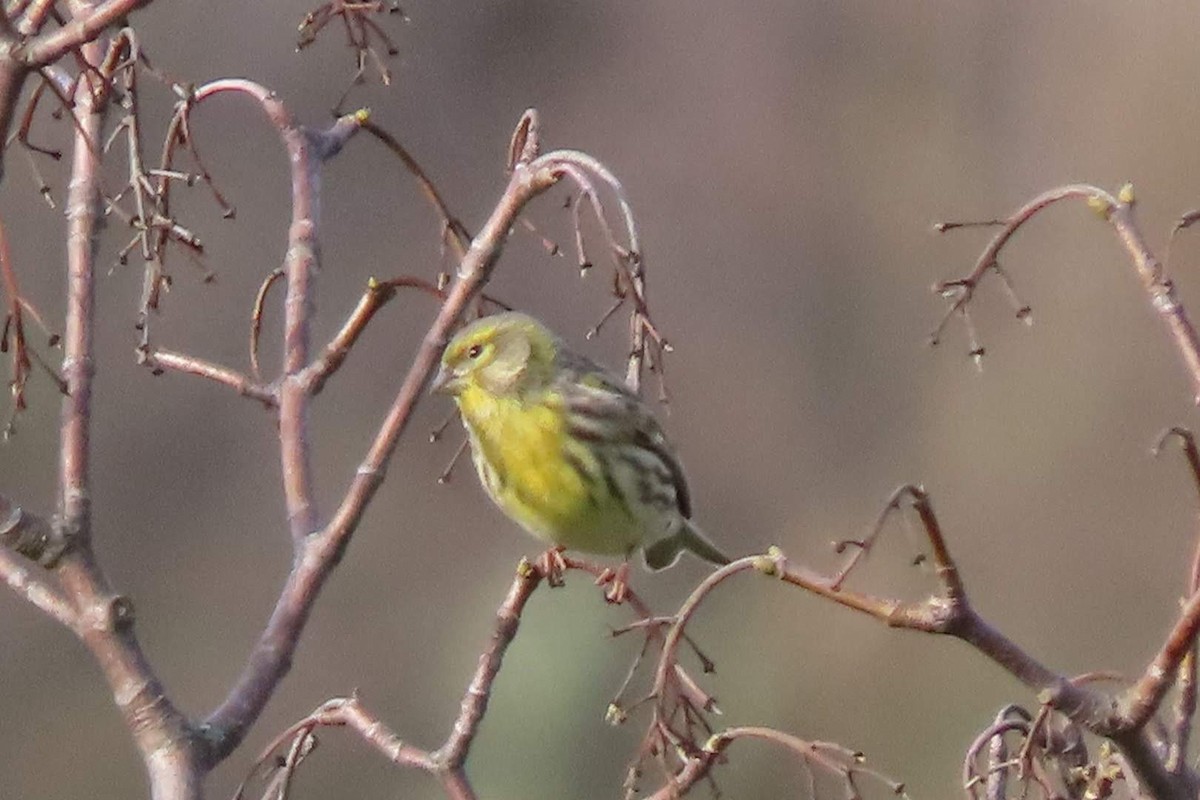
445	382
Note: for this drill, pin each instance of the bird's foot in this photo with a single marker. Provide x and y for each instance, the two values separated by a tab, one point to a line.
617	581
552	565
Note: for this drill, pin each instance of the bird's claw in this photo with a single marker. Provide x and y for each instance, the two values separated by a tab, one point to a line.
553	565
618	583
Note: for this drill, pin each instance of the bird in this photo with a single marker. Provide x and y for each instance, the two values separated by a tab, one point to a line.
566	450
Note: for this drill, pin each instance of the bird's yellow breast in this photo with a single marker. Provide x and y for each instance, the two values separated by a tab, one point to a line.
536	475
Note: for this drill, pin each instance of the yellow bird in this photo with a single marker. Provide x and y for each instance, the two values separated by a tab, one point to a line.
565	450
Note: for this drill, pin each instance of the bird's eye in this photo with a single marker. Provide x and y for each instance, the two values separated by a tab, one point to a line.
474	351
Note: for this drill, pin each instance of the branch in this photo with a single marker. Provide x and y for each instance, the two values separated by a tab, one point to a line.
12	80
845	765
454	233
1141	701
527	182
453	754
306	150
339	712
34	538
377	295
629	261
160	731
949	612
33	17
50	47
1119	213
159	360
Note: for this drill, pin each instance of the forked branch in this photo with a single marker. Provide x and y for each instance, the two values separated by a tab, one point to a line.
1119	213
1124	720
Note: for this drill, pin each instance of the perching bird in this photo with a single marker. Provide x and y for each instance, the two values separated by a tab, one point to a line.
565	450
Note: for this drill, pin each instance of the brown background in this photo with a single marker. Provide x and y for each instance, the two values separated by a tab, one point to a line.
785	161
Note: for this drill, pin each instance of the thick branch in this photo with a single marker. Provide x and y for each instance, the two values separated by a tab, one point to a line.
1140	702
299	266
82	29
526	182
105	621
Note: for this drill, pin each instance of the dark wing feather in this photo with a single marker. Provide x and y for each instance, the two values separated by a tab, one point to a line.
591	393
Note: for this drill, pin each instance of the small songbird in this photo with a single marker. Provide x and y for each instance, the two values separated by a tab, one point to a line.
565	450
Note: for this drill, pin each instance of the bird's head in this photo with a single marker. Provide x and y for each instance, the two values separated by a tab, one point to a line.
503	354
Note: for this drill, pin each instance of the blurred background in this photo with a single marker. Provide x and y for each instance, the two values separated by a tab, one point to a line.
785	161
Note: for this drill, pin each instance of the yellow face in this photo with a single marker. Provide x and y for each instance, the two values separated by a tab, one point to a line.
501	354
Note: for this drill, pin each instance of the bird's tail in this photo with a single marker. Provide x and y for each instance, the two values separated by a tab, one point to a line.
665	552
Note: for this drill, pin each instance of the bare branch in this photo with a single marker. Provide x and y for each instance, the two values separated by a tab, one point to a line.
1119	213
34	538
1188	442
629	261
362	33
949	612
454	233
161	732
82	29
33	17
306	151
448	761
159	360
844	765
453	754
339	712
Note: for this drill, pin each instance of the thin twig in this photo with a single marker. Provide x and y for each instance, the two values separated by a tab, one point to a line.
256	318
454	233
159	360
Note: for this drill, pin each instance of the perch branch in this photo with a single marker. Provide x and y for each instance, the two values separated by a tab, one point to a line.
453	754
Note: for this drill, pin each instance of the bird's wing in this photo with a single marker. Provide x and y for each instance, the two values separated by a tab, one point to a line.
592	395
